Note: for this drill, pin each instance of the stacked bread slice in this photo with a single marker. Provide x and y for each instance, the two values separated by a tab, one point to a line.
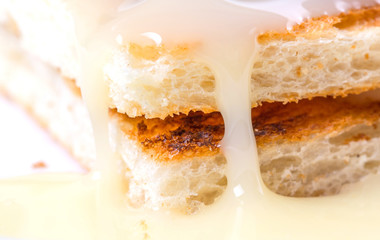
315	107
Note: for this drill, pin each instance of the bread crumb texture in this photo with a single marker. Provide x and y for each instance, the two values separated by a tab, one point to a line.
173	168
330	55
310	148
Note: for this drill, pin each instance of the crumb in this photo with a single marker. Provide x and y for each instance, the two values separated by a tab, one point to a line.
39	164
358	137
144	227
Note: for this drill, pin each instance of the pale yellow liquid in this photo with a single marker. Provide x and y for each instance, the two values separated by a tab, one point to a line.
93	206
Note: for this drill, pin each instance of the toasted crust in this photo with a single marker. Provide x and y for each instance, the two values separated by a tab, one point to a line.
71	84
309	119
321	26
335	92
196	134
199	134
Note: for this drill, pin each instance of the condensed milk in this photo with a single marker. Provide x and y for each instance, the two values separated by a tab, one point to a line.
92	206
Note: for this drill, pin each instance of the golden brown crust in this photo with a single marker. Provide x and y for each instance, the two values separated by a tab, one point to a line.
195	134
309	119
292	97
310	29
321	26
71	84
199	134
153	53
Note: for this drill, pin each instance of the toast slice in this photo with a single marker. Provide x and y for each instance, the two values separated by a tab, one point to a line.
177	162
323	56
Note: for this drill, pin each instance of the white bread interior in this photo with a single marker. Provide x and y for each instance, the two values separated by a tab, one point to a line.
321	166
157	82
293	169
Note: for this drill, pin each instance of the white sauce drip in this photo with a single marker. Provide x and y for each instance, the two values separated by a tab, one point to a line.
92	207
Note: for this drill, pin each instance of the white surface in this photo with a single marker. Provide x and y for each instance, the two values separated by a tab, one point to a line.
23	143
